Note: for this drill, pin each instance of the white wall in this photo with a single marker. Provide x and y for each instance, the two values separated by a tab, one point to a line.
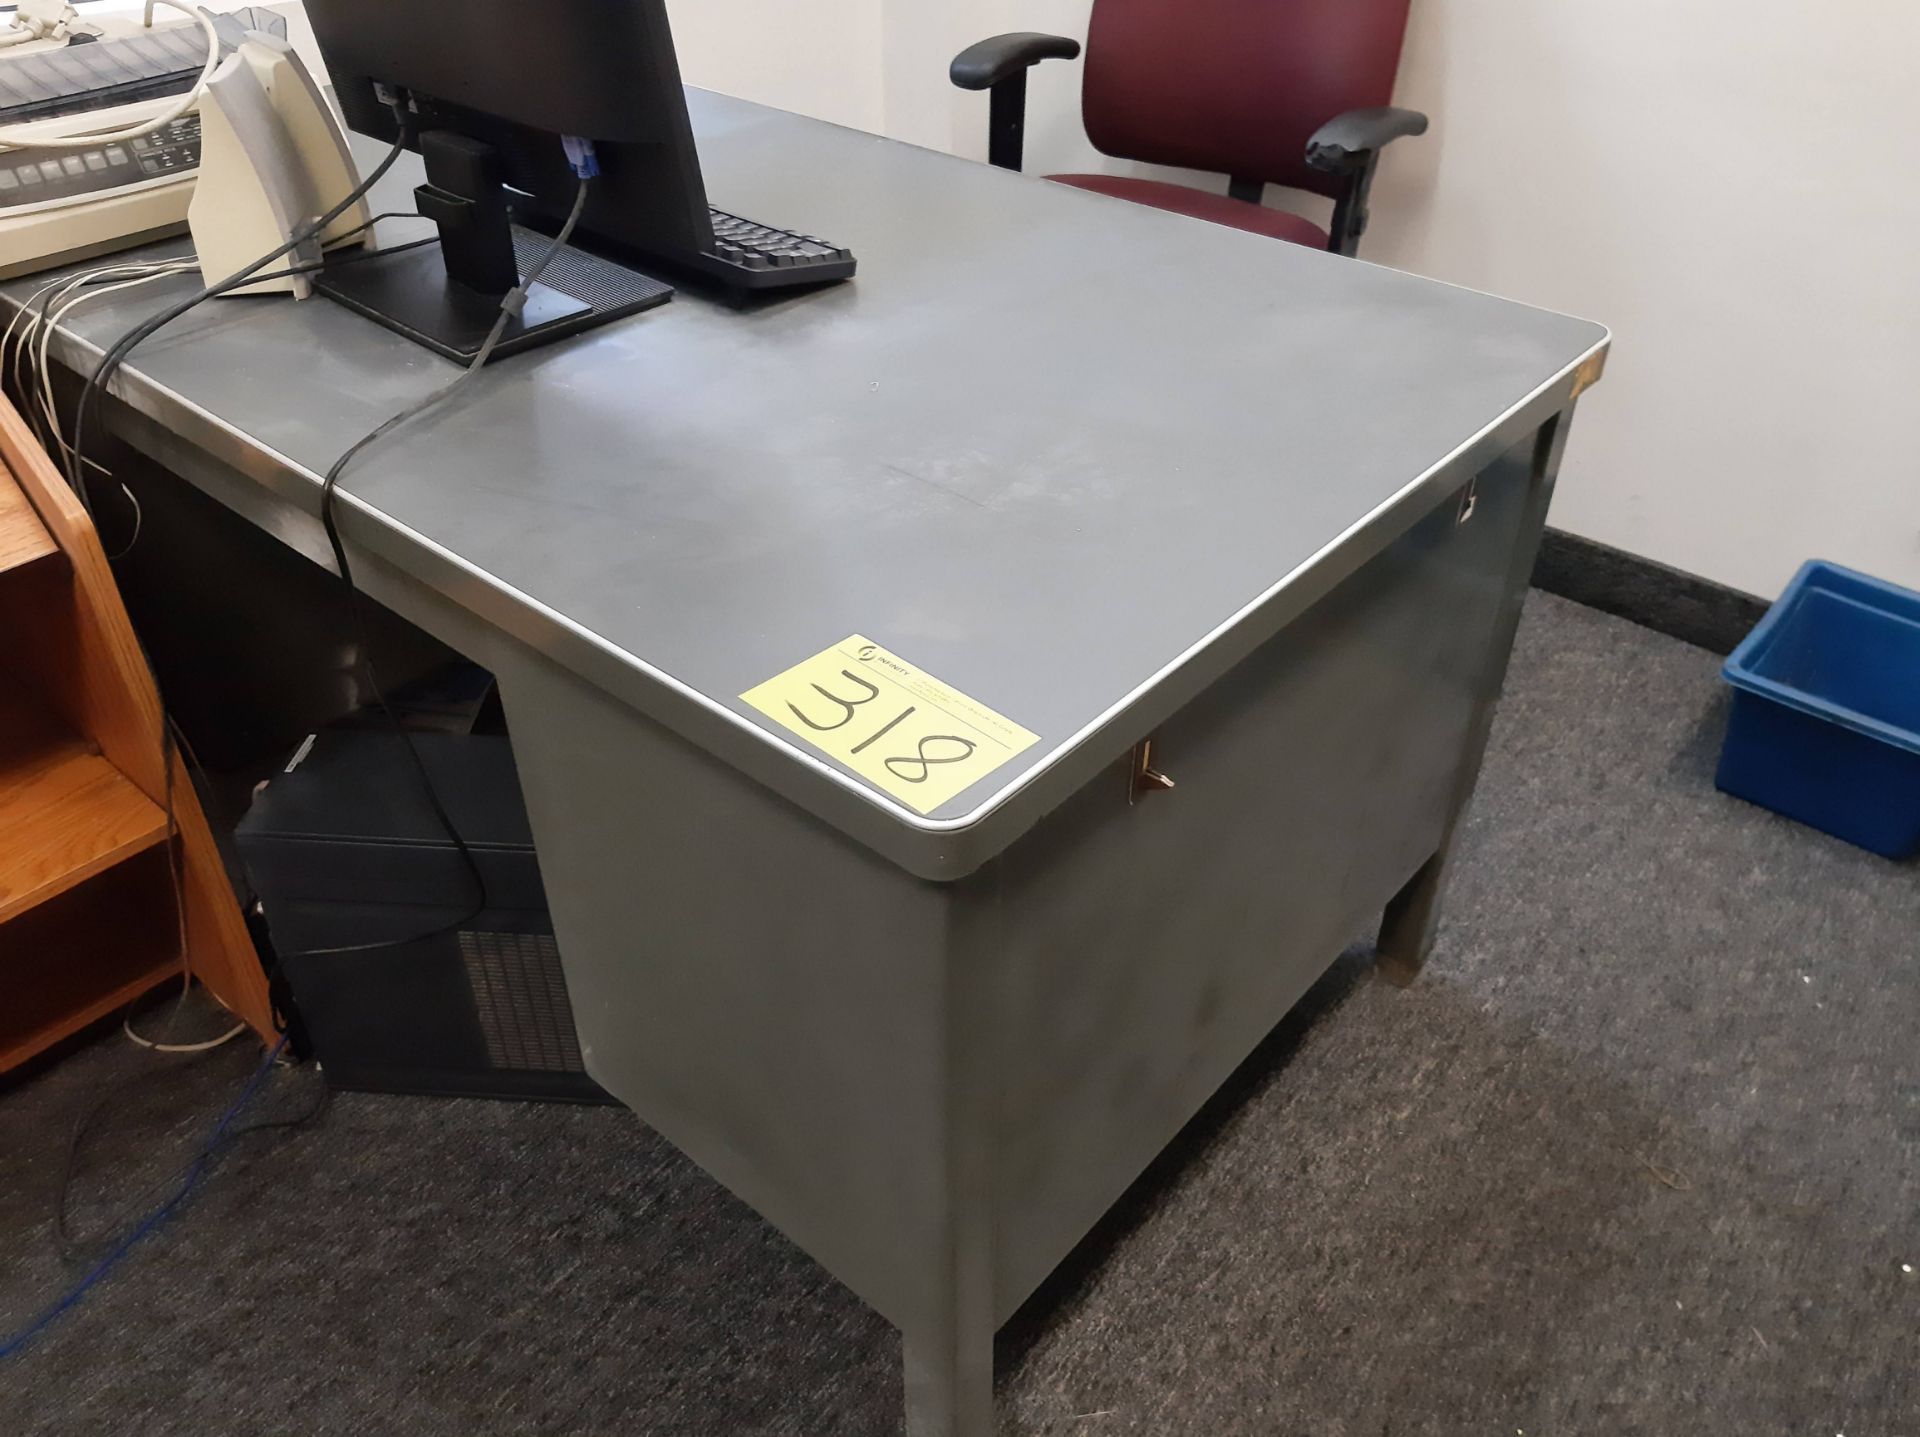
1732	189
816	57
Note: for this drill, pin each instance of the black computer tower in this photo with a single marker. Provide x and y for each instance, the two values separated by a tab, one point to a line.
396	982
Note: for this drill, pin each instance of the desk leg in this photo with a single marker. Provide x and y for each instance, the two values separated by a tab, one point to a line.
947	1338
949	1382
1412	918
1411	921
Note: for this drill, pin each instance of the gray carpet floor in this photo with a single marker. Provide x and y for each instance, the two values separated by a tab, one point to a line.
1641	1154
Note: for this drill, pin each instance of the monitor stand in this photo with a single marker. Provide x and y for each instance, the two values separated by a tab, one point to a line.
445	293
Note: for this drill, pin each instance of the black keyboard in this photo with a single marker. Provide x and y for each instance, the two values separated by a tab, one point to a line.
749	255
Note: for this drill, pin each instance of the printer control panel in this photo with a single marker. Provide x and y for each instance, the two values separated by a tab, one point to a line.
44	177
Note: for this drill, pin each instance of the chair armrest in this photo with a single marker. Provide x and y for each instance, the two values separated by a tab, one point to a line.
982	66
1344	143
1350	145
1000	65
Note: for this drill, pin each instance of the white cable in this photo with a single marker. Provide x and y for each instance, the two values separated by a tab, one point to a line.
139	514
40	20
126	1026
44	319
23	312
36	383
6	340
43	365
33	312
18	366
25	136
186	991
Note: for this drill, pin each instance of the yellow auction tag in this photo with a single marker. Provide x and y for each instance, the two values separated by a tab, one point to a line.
890	723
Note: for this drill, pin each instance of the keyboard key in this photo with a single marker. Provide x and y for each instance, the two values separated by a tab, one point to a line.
96	160
73	164
755	247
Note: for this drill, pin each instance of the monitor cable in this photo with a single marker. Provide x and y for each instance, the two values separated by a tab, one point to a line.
510	308
96	384
27	342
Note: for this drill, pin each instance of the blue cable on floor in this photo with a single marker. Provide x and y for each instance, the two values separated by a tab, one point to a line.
152	1220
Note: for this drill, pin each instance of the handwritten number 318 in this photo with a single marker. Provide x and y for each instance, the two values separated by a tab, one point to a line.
901	766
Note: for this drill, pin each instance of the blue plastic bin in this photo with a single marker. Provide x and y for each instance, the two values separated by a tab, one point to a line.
1826	710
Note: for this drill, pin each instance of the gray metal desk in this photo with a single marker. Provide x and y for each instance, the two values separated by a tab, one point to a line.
1110	473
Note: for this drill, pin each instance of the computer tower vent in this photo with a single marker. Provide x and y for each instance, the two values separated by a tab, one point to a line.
520	996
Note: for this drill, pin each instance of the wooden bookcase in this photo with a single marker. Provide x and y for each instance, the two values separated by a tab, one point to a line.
88	913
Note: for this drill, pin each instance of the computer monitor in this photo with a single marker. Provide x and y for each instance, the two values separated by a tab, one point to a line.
489	89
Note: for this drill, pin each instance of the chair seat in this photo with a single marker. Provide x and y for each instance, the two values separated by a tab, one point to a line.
1220	209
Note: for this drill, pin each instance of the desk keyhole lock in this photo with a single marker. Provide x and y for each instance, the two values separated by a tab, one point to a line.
1469	501
1144	777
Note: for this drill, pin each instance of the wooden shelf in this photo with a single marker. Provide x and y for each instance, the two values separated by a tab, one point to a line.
66	812
23	538
96	808
105	963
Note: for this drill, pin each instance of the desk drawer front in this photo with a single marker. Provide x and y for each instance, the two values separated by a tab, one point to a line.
1144	949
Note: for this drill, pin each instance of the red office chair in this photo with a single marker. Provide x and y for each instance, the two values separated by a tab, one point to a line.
1287	92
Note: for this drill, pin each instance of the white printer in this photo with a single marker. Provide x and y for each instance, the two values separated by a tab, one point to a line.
61	205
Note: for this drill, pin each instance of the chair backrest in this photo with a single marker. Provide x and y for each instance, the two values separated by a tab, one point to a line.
1235	86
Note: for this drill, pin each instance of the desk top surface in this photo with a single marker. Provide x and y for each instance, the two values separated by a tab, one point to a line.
1046	447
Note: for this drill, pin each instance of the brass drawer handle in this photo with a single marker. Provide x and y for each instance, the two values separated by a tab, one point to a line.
1144	777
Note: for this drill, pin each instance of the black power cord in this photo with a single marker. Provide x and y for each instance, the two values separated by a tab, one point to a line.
76	1246
111	361
123	1230
96	384
190	1177
102	375
510	308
